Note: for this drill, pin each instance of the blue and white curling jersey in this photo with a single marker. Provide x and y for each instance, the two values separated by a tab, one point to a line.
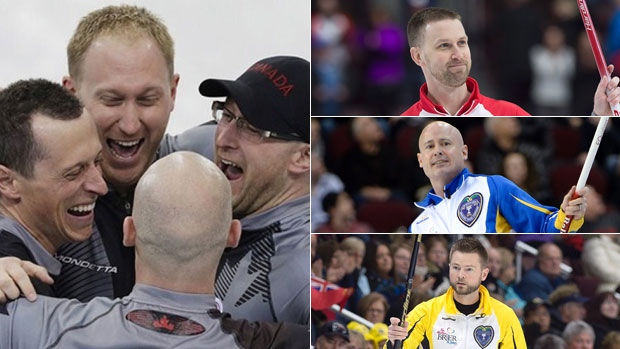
486	204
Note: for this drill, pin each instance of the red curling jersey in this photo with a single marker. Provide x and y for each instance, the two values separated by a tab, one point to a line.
477	104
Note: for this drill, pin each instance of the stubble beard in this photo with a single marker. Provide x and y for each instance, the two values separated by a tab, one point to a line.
467	291
452	79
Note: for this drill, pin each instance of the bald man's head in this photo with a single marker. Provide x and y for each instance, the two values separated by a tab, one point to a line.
443	128
442	152
182	212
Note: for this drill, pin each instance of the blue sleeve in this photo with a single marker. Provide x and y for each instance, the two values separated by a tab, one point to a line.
519	210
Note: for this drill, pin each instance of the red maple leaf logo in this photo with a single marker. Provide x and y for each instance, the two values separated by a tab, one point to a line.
164	323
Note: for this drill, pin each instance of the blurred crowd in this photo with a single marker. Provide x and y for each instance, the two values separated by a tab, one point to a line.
532	53
567	292
365	175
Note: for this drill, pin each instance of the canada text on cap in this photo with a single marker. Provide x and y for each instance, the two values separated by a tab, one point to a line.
273	95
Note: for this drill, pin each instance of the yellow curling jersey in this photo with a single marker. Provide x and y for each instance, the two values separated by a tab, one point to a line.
438	323
475	204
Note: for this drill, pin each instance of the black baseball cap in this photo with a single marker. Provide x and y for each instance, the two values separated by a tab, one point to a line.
273	95
533	305
575	297
333	329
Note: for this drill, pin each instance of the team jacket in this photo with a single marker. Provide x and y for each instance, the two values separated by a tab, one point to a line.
149	317
477	104
438	323
16	241
266	277
476	204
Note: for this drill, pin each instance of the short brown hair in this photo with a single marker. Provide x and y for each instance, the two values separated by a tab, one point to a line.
424	16
366	301
126	21
471	245
19	103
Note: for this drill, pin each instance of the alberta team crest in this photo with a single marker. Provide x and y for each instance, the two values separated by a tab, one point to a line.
470	208
483	335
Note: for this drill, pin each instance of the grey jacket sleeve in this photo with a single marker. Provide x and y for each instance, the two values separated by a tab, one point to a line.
199	139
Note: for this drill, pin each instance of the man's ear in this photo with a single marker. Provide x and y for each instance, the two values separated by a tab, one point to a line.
8	183
485	273
69	84
129	232
416	55
174	84
301	160
234	234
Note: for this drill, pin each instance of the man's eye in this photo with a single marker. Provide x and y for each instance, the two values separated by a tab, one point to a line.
111	101
73	174
148	101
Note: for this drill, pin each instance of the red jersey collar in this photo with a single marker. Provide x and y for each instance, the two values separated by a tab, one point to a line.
470	104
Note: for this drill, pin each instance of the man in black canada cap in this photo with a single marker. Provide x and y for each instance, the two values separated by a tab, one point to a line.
332	335
261	141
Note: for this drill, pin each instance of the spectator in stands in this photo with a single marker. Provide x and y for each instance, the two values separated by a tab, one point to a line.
568	305
321	183
578	335
371	169
438	252
545	277
611	340
316	267
332	335
356	329
504	138
332	34
505	281
494	266
379	263
600	218
602	315
356	340
553	66
537	321
373	307
385	43
401	255
378	335
355	249
549	341
329	251
342	216
428	280
517	167
601	258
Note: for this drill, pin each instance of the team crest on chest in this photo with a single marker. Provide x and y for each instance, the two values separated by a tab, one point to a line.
470	208
483	335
